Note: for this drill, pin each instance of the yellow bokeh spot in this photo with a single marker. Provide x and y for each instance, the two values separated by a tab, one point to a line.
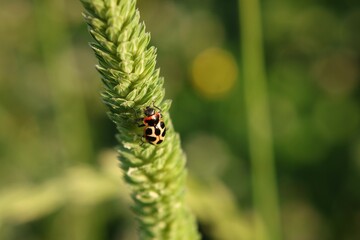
214	72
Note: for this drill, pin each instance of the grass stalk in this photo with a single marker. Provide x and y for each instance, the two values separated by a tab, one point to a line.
258	119
155	174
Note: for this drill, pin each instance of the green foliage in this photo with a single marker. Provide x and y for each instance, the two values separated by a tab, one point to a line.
155	174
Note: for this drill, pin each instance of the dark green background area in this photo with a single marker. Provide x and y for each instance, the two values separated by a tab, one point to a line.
54	130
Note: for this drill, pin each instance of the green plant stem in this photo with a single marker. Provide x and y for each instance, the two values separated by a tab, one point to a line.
259	127
127	65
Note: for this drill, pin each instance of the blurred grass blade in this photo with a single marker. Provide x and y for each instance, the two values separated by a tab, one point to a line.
259	127
71	121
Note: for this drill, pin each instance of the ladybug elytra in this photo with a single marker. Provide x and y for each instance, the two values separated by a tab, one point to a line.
155	130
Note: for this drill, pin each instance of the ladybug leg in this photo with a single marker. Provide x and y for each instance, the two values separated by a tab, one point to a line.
142	141
136	115
138	120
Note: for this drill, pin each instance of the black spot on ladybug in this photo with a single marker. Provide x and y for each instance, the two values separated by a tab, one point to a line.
148	131
163	133
151	122
160	141
157	132
162	124
151	139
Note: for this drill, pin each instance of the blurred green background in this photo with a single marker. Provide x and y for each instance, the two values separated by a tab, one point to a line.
59	177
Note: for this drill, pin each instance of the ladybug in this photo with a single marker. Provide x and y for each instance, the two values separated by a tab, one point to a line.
155	130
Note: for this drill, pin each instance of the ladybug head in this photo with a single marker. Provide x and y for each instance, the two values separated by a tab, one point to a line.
149	111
